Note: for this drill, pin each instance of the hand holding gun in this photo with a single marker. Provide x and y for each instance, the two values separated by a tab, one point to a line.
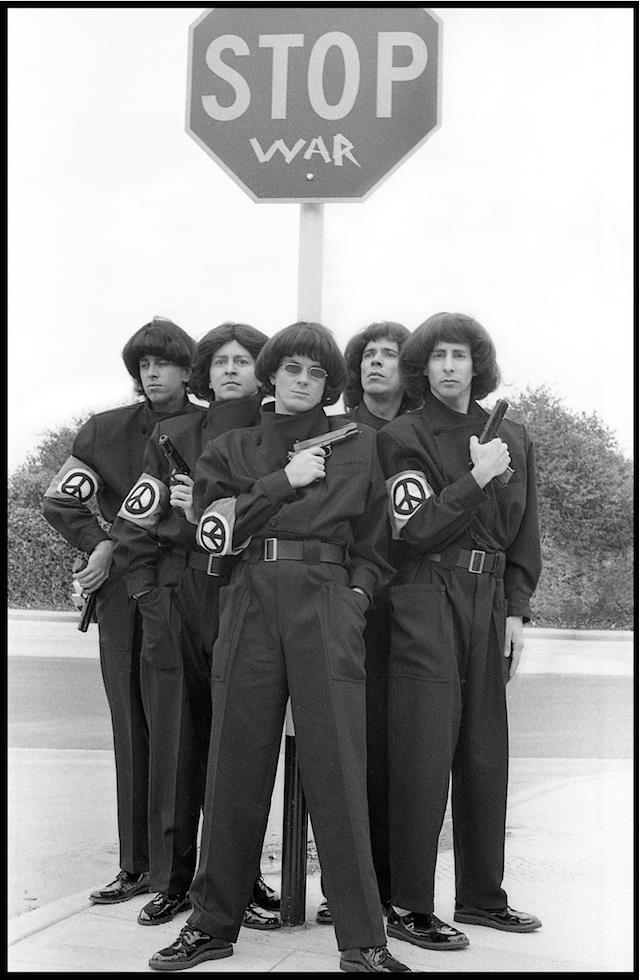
87	606
306	460
491	430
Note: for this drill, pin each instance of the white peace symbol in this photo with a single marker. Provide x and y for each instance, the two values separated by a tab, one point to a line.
141	499
78	483
213	534
407	496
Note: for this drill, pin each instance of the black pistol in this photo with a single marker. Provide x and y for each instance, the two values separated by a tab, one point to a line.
326	439
87	612
173	458
491	430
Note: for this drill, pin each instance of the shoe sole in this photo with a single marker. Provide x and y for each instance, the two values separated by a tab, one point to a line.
424	944
478	920
262	928
164	918
207	954
116	901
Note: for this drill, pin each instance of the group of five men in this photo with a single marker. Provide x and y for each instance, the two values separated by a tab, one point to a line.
379	577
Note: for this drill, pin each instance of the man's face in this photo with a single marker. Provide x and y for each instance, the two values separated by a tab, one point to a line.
296	390
379	371
450	374
232	372
162	381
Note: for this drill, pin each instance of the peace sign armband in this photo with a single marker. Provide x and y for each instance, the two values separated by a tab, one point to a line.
407	491
145	502
215	530
74	481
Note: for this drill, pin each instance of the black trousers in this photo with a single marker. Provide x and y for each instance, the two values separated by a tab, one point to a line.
377	642
447	713
180	624
120	638
288	627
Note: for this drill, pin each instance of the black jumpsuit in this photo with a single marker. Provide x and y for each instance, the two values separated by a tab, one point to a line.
377	640
447	697
290	626
157	549
106	458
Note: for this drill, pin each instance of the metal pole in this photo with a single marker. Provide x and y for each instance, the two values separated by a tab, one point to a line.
295	819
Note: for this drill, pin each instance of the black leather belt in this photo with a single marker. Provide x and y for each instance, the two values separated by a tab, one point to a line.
211	564
478	562
312	551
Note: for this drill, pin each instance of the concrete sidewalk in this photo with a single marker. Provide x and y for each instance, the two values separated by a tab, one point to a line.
568	859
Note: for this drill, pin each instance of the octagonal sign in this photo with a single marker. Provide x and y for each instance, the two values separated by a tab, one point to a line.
313	104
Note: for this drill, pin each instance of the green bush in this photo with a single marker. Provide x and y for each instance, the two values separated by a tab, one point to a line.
38	559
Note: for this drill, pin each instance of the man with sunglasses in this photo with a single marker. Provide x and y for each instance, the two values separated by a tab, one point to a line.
310	531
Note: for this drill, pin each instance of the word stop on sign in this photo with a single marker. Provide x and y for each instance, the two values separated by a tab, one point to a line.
294	104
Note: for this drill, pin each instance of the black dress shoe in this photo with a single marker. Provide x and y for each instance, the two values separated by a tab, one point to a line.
190	948
506	919
377	959
257	918
122	889
324	917
423	930
163	908
265	896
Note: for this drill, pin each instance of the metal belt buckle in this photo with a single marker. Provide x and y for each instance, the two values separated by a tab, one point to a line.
474	557
270	549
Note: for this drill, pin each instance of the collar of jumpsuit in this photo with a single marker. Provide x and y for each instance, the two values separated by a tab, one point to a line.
279	432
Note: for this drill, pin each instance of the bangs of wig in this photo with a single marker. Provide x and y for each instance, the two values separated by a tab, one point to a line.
248	337
161	338
312	340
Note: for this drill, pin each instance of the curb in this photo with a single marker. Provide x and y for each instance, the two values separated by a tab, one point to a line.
534	632
48	915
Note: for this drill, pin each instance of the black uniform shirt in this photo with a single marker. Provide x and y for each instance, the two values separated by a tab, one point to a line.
106	458
436	503
146	519
241	489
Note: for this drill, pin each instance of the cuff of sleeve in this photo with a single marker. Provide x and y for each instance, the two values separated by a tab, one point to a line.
91	538
519	607
363	579
139	582
471	492
276	487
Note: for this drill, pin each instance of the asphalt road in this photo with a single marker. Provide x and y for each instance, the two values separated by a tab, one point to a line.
59	703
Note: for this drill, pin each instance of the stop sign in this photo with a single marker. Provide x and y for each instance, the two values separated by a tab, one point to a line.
312	104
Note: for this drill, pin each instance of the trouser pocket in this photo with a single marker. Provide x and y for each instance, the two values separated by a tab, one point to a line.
422	640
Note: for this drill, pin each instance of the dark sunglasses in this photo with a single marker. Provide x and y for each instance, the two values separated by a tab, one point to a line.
317	373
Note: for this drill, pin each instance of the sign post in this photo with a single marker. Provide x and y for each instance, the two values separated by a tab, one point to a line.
295	816
311	105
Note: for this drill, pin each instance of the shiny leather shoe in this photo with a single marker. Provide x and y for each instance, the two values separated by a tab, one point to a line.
424	930
122	889
324	917
506	919
257	918
375	959
265	896
190	948
163	908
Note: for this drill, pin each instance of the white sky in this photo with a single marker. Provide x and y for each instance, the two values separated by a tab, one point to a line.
518	210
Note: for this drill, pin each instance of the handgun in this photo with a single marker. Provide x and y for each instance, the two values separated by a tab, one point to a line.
490	431
176	463
326	440
87	610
